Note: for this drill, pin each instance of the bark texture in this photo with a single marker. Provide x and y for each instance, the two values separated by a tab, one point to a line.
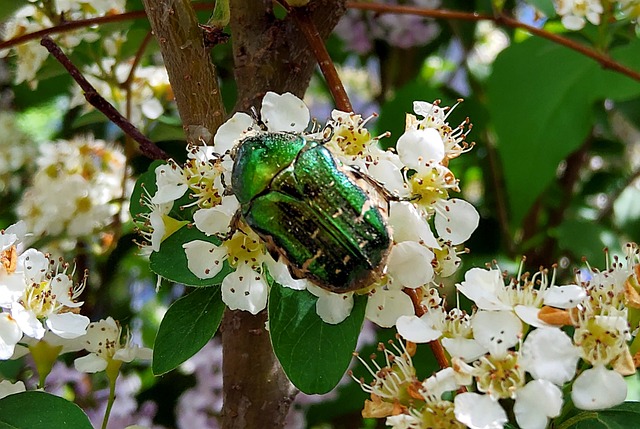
272	54
191	73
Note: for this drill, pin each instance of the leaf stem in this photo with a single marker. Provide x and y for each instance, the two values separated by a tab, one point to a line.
328	68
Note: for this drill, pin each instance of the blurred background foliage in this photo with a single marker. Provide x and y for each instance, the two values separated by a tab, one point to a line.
554	171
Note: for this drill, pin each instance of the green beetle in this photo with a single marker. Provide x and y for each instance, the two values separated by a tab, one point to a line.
328	222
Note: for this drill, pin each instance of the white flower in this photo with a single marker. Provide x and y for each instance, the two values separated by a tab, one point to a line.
598	388
574	12
479	411
105	345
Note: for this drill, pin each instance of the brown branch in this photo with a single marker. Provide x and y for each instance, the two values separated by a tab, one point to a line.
81	23
316	43
436	346
605	61
147	147
188	63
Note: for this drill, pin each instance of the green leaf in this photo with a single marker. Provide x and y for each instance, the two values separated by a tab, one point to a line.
7	8
188	324
625	415
171	261
541	98
313	354
40	410
544	6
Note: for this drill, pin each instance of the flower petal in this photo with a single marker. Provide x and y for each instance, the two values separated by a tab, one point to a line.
245	289
385	306
549	353
171	183
416	329
90	363
598	388
215	220
456	220
418	147
409	265
332	308
408	225
496	330
231	131
284	112
479	411
68	325
568	296
536	402
10	334
204	259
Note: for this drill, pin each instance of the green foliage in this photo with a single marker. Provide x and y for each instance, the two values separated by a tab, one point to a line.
313	354
188	324
623	416
40	410
541	98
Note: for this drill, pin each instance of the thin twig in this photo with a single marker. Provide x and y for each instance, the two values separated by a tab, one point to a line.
147	147
308	28
436	346
81	23
604	60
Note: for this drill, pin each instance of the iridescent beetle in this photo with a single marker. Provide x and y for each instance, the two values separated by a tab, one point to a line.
328	222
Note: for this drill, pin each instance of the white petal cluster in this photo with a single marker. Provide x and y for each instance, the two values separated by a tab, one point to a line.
513	354
16	152
76	188
576	13
417	255
149	91
37	295
108	347
38	15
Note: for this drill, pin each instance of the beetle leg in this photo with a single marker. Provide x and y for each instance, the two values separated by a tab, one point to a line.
378	186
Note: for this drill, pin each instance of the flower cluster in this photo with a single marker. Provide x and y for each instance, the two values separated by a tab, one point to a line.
16	150
360	30
143	98
77	188
416	177
37	295
576	13
40	315
514	347
40	14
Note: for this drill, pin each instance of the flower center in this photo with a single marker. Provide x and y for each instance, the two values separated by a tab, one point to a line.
203	179
500	377
244	247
